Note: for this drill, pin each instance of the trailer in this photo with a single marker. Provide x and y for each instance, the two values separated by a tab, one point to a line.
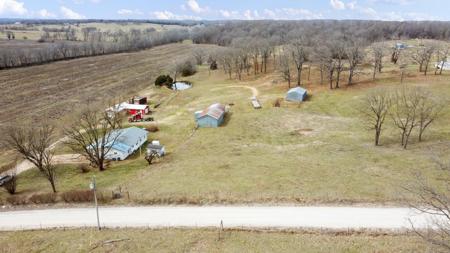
255	103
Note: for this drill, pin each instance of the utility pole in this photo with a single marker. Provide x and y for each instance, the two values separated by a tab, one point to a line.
93	187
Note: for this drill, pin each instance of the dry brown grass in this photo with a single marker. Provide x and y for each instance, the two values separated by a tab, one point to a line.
204	240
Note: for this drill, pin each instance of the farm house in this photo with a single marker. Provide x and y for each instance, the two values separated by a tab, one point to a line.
128	141
297	94
213	116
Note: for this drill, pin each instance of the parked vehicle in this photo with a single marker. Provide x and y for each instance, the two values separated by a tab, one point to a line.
138	117
5	179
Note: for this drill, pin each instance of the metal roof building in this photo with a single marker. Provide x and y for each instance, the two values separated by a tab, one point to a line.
128	141
444	65
213	116
297	94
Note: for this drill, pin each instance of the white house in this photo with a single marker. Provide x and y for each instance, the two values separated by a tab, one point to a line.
128	141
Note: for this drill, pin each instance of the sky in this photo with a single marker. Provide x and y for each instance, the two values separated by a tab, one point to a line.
397	10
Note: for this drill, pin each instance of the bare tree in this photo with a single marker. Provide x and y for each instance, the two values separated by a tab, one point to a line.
323	55
34	144
339	56
320	57
284	67
255	52
239	62
299	54
375	108
405	113
432	199
226	60
422	56
93	134
377	56
442	57
428	56
429	109
266	51
199	56
183	66
355	56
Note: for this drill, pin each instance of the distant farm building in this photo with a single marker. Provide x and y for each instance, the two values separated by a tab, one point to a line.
400	45
213	116
443	65
127	141
297	94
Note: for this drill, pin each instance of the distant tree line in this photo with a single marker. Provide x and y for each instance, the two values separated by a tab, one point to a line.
282	32
332	47
31	22
95	43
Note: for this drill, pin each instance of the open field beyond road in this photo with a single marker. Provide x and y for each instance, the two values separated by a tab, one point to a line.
204	240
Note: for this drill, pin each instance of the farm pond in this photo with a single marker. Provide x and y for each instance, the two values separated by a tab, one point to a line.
181	86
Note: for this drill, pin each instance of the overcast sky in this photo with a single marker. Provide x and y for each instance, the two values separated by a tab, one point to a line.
228	9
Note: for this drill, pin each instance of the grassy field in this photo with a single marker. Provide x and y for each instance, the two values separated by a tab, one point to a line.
202	240
318	152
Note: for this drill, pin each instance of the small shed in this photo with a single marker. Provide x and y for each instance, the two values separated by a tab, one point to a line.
213	116
127	141
138	100
400	45
297	94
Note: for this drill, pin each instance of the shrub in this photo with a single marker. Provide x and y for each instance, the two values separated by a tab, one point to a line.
44	198
277	103
11	185
17	200
188	68
78	196
164	80
152	128
84	168
81	196
213	65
